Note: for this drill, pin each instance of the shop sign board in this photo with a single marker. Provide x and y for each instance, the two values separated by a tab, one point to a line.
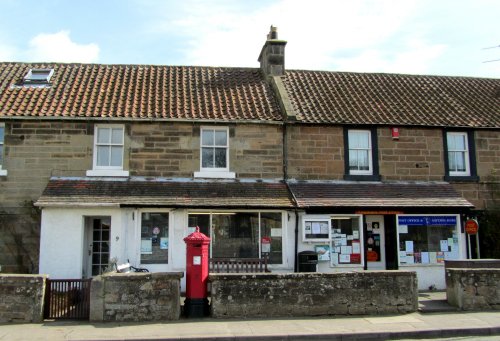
427	220
471	226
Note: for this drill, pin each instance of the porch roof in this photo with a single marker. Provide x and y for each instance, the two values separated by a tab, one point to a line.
377	194
135	191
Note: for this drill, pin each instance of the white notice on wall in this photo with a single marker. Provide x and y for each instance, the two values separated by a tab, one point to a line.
409	245
335	258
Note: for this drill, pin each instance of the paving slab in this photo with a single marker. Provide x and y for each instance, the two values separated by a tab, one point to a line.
409	326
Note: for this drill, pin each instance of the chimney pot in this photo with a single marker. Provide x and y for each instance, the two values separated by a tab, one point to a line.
272	55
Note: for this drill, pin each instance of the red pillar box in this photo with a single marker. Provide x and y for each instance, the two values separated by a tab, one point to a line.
196	303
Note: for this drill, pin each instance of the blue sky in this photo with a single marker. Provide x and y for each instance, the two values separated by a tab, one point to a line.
444	37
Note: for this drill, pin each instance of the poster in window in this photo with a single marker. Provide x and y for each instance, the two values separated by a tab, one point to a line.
440	257
163	243
147	245
356	247
444	245
425	257
323	252
344	258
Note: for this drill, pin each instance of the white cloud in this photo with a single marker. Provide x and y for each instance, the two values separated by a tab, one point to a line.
58	47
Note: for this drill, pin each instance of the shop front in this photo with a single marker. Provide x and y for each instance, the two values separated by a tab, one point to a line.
413	227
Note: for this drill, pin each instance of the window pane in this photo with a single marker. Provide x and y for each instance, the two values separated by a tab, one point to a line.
117	136
452	161
103	135
359	139
116	156
363	160
235	235
207	157
2	134
103	155
341	227
220	157
202	221
270	224
353	160
207	137
154	238
220	138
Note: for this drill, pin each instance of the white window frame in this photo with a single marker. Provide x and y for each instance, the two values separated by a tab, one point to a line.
3	172
370	153
284	234
138	228
107	170
212	172
29	80
465	152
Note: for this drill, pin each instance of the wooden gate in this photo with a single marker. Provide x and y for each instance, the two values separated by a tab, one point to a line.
67	299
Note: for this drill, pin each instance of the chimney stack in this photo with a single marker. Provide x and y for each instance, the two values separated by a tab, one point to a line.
272	56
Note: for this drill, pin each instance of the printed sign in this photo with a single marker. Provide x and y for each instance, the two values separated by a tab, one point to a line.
427	220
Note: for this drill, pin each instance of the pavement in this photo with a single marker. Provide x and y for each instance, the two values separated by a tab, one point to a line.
424	324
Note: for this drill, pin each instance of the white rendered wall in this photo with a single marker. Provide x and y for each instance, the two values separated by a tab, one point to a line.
62	239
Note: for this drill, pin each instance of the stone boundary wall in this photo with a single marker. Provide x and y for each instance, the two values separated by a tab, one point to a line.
311	294
136	297
473	289
22	298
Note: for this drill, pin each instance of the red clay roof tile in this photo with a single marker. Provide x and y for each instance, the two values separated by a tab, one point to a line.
139	92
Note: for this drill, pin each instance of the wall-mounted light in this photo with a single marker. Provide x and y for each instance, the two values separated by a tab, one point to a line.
395	133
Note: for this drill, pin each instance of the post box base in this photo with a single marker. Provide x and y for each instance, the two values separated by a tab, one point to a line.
196	307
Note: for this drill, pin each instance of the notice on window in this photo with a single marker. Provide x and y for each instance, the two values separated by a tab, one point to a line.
433	257
403	228
355	234
335	258
425	257
316	228
444	245
164	243
147	245
356	247
344	258
409	245
275	232
346	250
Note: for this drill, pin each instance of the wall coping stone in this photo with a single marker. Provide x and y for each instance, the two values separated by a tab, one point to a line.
305	275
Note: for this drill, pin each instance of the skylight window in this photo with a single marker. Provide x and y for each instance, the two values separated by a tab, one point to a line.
38	76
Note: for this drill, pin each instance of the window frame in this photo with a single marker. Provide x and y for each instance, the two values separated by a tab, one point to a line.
27	80
214	172
139	236
372	174
107	170
3	172
470	174
284	241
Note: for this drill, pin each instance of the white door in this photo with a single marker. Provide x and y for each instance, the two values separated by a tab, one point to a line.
96	248
375	240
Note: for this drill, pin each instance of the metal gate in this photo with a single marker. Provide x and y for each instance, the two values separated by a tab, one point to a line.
67	299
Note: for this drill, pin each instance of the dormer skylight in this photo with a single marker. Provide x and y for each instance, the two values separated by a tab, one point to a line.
38	76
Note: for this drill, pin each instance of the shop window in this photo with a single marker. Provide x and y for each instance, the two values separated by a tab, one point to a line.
346	241
242	234
154	238
427	239
460	161
108	151
2	137
361	154
214	153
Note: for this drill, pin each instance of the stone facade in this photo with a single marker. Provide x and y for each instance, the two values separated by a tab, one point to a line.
473	289
135	297
310	294
22	298
37	150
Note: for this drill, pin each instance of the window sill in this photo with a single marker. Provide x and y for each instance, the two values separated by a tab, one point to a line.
449	178
215	175
107	172
352	177
3	172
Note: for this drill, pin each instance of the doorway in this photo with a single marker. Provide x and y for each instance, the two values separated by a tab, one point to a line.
96	248
375	242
